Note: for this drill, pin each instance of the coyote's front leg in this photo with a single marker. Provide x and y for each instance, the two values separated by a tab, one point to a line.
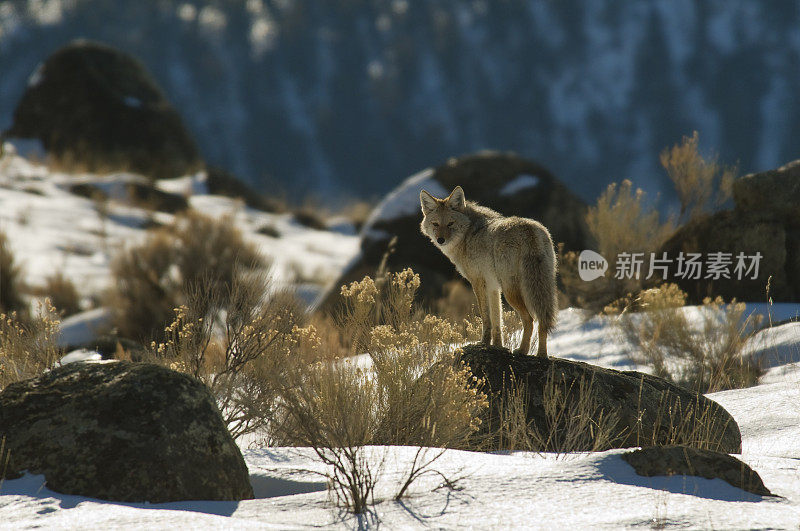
479	288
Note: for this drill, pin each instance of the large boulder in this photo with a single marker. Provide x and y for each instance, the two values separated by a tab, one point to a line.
122	431
97	108
686	461
776	191
737	232
640	409
502	181
765	220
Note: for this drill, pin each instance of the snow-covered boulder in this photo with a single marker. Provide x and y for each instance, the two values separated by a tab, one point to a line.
505	182
122	431
646	410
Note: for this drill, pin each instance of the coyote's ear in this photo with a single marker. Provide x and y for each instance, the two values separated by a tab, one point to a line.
456	199
427	201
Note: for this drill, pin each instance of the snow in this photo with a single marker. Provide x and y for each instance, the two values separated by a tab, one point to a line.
29	148
495	490
521	182
51	230
80	355
81	328
132	101
402	201
196	184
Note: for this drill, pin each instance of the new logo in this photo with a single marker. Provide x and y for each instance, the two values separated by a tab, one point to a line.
591	265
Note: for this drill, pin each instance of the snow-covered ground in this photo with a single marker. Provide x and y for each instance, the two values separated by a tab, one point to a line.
51	229
493	491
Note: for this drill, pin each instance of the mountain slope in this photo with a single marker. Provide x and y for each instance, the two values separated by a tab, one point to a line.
353	96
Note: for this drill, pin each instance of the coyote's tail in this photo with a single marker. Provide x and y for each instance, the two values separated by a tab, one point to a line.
539	289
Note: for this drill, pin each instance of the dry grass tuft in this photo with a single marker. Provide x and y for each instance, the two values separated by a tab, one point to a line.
152	279
62	294
28	348
569	419
702	353
10	294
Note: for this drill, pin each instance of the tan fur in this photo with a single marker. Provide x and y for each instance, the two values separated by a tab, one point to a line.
497	254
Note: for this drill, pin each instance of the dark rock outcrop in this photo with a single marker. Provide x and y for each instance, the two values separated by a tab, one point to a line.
221	182
97	108
765	220
777	191
503	181
647	410
686	461
136	193
122	431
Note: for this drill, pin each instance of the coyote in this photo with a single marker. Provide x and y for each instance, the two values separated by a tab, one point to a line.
496	253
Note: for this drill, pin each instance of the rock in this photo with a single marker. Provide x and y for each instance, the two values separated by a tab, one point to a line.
686	461
122	431
776	191
746	232
648	410
221	182
139	194
766	220
502	181
97	108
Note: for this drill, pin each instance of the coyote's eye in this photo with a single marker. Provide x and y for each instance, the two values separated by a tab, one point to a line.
435	224
450	224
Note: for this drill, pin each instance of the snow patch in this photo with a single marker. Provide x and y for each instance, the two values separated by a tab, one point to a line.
403	201
775	346
132	101
37	76
520	183
82	328
29	148
81	355
188	185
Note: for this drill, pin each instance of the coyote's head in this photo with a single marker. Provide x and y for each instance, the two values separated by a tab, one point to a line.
444	220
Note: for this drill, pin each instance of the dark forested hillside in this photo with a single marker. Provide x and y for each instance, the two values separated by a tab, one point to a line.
351	96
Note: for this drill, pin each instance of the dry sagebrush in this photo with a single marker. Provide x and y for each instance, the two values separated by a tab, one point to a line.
408	390
703	185
703	353
239	344
621	221
152	279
